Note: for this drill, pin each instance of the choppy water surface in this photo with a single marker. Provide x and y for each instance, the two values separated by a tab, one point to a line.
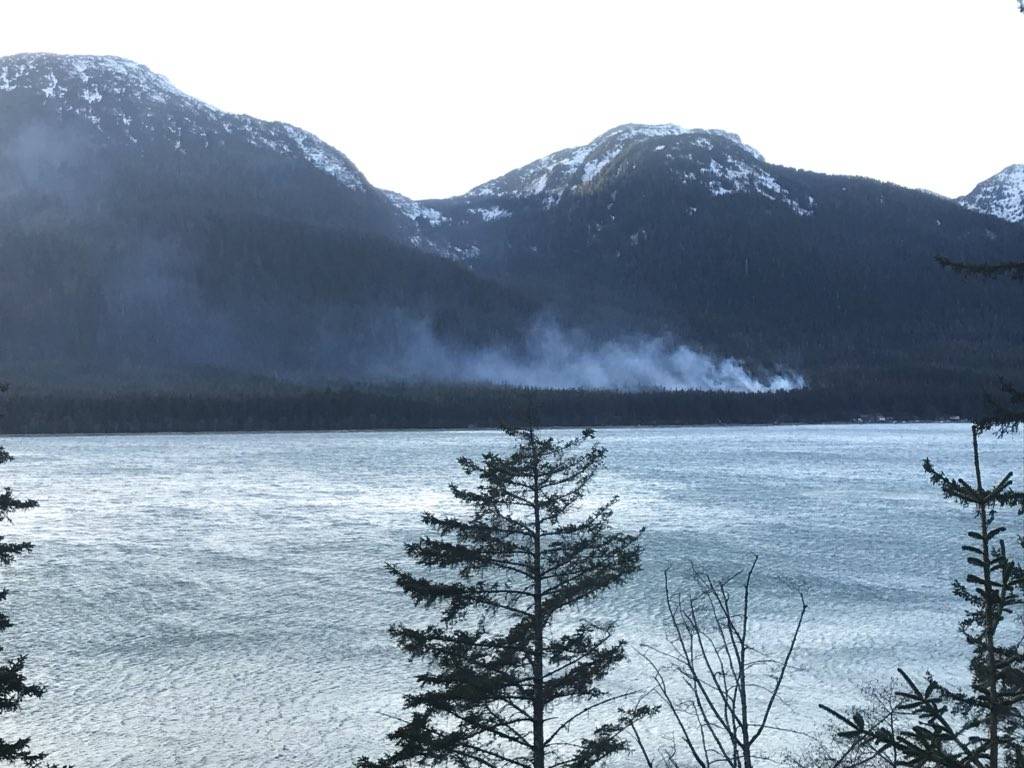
220	600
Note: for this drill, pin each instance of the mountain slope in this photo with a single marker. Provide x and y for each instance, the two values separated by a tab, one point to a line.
145	236
148	238
114	132
692	235
574	170
714	161
1001	195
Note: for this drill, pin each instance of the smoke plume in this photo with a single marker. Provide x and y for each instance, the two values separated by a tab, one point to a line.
553	358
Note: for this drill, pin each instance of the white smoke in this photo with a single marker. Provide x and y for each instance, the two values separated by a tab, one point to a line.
555	359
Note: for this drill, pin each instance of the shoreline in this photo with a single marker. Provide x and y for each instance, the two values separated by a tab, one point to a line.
406	430
419	407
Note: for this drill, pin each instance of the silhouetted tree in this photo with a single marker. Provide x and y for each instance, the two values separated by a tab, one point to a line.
980	727
14	688
510	682
832	750
730	685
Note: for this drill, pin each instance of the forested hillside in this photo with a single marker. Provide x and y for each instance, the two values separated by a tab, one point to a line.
151	243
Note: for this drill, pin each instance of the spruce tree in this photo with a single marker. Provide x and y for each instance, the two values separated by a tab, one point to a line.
14	688
514	676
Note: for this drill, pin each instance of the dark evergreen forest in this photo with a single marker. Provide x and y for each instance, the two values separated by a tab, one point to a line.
425	406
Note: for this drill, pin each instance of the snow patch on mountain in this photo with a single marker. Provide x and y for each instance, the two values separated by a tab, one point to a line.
415	210
567	169
122	98
493	213
1002	195
739	168
736	176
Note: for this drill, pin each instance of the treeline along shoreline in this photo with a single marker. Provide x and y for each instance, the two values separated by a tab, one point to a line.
412	406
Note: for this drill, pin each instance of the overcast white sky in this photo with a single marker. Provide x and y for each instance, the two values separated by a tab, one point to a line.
432	98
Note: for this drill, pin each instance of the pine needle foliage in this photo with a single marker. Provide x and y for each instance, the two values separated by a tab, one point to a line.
514	676
14	687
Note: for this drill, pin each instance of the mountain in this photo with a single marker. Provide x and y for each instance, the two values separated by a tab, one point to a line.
572	170
716	160
693	235
113	131
149	240
1001	195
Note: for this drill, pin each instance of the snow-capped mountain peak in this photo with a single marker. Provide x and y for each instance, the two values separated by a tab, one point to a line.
566	169
1002	195
717	159
127	101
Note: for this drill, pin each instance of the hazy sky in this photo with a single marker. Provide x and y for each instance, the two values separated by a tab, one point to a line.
432	98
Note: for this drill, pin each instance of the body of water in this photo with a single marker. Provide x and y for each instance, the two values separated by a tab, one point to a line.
220	600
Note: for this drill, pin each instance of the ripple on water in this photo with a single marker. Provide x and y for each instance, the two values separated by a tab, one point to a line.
220	599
